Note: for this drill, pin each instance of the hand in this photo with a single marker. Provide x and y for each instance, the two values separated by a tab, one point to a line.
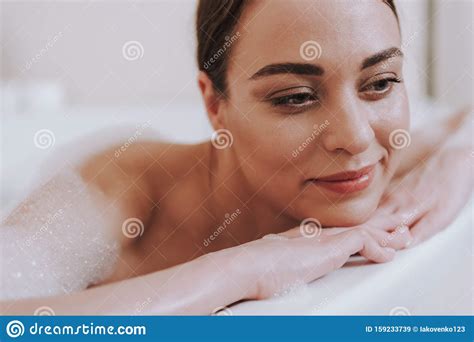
427	198
280	261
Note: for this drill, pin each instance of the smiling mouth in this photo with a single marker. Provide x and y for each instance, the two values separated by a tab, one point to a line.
347	181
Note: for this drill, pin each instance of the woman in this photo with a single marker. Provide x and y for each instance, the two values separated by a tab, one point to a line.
307	100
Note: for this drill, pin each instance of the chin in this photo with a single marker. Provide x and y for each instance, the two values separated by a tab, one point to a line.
349	214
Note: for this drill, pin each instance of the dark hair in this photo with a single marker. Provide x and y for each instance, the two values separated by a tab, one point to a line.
216	22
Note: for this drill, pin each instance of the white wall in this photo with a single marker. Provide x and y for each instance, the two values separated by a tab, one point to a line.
79	44
452	51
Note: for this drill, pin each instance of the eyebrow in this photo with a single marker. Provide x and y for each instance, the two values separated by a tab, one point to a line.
315	70
380	57
288	68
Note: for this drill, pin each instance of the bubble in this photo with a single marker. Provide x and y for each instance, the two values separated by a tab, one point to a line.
49	238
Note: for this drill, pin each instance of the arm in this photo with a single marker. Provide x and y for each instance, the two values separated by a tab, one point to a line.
67	233
256	270
196	287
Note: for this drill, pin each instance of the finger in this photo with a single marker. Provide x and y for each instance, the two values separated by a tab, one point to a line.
429	225
358	240
403	217
398	239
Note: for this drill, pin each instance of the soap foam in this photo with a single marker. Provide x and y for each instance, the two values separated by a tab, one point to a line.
55	241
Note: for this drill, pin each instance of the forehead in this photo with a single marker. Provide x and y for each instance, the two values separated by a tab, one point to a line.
274	31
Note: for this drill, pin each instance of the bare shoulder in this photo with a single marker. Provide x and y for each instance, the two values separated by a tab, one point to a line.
140	174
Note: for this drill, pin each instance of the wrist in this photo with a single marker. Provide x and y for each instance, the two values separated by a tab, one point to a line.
243	268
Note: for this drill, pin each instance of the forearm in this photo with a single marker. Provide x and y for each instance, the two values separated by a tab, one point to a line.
197	287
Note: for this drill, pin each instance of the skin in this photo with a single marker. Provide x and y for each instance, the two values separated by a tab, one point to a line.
182	193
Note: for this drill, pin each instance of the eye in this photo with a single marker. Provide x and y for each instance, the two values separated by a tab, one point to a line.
294	99
297	99
380	87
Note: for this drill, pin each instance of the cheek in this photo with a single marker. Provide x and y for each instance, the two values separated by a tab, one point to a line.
265	138
391	122
264	145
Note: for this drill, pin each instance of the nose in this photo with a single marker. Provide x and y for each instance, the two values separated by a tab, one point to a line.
351	131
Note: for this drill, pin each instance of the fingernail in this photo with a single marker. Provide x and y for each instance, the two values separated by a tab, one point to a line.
389	250
409	242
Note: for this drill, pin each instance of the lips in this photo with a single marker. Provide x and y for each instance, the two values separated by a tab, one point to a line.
347	181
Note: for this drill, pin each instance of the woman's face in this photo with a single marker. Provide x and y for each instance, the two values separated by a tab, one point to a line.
314	91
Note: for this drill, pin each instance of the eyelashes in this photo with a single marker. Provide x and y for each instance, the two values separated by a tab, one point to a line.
295	100
298	99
